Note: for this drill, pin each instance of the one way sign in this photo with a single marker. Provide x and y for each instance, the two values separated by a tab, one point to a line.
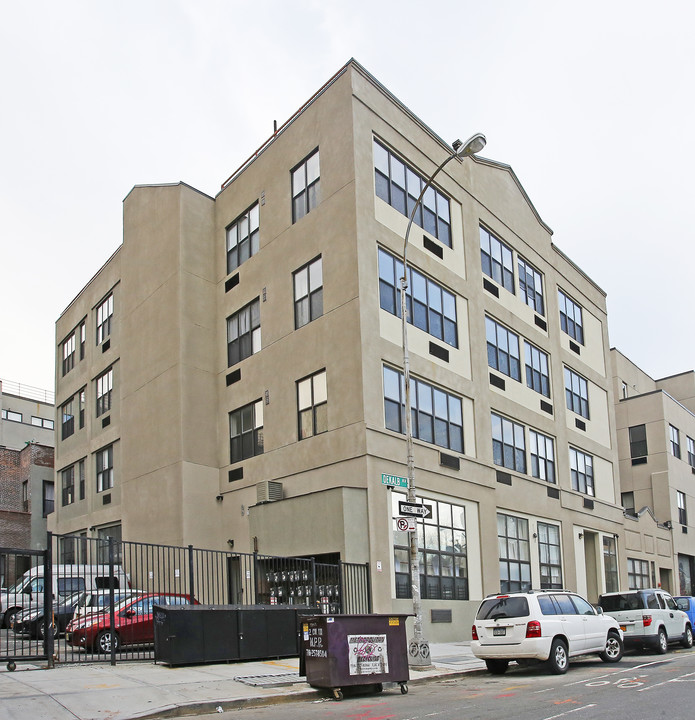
423	511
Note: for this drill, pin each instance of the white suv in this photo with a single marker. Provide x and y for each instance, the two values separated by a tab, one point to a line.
542	625
649	618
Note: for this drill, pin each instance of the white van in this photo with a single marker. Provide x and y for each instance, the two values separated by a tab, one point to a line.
28	591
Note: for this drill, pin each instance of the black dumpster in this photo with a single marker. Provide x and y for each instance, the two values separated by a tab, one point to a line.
187	634
349	650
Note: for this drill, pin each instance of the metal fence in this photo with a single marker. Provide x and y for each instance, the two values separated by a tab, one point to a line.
115	585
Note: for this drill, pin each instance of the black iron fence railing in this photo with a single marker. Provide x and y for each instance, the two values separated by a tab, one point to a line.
102	592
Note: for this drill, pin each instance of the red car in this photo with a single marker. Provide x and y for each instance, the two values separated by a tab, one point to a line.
134	624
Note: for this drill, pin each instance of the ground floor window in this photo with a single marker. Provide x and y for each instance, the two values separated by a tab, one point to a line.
442	552
514	552
637	574
550	556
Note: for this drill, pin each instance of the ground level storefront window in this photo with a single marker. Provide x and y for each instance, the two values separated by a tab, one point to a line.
441	550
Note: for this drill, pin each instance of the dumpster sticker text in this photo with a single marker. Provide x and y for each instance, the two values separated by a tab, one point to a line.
314	639
367	654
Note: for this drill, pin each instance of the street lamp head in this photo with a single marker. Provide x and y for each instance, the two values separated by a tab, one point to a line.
472	146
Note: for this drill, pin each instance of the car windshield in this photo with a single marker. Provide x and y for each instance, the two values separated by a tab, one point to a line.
621	601
503	607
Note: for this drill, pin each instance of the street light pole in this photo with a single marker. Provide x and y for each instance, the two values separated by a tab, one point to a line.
419	649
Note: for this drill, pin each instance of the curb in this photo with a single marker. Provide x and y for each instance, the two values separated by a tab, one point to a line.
303	695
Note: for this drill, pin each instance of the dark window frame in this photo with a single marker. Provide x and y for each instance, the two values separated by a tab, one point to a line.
312	405
399	184
67	478
307	291
542	459
582	471
637	435
531	285
549	556
104	468
428	421
306	195
242	237
104	392
515	563
104	315
537	363
246	432
571	319
244	333
576	392
503	349
497	260
506	450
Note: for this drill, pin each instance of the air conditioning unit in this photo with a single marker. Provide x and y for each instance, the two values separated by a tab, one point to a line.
268	491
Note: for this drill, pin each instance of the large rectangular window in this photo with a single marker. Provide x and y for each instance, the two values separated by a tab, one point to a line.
12	416
582	471
430	306
400	186
104	384
691	450
104	466
508	444
68	485
442	552
531	286
576	393
610	563
244	333
246	432
308	293
242	238
537	375
312	405
503	352
638	441
306	179
637	574
437	416
549	556
571	317
682	509
515	553
542	453
67	415
497	259
104	315
675	439
68	348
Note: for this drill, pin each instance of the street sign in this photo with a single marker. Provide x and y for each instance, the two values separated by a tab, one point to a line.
416	509
406	524
394	480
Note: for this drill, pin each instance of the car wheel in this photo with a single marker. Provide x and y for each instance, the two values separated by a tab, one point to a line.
10	617
687	641
613	650
497	667
558	661
662	642
104	640
42	629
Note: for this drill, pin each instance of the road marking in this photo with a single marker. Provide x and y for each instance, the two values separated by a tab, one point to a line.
574	710
619	672
665	682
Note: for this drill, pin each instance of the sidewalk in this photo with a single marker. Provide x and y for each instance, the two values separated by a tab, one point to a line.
147	690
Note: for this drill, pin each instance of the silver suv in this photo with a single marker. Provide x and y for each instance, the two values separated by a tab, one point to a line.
542	625
648	618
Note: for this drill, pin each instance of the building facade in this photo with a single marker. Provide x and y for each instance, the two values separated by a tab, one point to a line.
26	464
234	371
655	422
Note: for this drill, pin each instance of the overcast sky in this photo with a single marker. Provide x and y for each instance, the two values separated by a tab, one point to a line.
591	103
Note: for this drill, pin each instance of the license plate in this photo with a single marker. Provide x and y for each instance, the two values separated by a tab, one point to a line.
499	631
623	628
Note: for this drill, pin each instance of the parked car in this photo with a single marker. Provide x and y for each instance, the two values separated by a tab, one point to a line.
31	621
28	591
134	623
686	603
648	618
542	625
93	601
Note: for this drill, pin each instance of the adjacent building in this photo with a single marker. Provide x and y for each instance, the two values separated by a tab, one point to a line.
26	465
234	371
655	424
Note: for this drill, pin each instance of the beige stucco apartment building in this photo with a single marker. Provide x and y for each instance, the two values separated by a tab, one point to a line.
655	421
233	371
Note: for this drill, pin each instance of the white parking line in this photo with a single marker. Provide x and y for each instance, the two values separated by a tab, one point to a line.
618	672
569	712
666	682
